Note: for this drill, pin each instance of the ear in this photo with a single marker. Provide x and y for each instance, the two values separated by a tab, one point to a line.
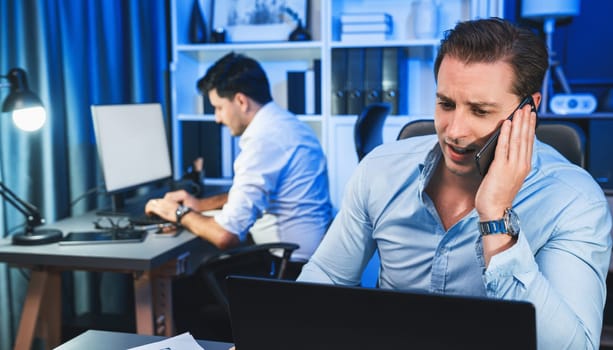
537	97
242	101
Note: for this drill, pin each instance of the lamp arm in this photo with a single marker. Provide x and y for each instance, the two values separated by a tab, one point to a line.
31	213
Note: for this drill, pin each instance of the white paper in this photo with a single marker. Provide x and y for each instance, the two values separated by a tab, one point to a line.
183	341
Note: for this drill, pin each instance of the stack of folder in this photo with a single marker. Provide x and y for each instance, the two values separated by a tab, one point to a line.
366	27
361	76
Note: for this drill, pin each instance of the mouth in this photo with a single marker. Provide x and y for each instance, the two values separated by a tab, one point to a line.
461	150
461	154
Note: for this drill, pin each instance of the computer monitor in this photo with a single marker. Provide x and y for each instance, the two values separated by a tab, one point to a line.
132	147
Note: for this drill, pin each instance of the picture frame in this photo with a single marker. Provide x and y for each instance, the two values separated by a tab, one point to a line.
258	20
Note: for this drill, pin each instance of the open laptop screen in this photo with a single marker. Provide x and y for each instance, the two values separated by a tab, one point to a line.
132	145
274	314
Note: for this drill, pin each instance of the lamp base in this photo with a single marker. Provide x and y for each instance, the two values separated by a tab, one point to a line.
42	236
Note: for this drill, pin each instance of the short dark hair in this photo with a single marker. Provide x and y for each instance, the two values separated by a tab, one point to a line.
493	39
235	73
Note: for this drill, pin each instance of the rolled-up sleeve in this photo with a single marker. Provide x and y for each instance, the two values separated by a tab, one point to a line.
565	278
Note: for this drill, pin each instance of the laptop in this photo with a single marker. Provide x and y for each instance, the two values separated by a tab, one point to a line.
277	314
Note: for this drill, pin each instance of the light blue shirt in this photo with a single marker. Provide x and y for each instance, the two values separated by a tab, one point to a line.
281	170
559	262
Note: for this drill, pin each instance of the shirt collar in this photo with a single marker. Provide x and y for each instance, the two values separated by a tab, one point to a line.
257	120
428	166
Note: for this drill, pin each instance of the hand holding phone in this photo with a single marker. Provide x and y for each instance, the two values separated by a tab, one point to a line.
485	156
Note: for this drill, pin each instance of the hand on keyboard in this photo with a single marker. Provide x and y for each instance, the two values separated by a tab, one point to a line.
146	220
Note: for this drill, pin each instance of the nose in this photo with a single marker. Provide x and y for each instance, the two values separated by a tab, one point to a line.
457	126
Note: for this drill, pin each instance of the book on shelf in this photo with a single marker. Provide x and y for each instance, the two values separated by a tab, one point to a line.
382	27
364	37
365	17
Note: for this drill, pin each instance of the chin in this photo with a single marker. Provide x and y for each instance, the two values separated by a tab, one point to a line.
460	169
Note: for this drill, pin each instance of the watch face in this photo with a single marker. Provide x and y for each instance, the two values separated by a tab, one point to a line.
512	222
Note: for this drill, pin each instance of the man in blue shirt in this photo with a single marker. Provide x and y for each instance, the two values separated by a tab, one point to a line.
441	226
280	185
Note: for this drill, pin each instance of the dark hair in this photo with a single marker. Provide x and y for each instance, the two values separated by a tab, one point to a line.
494	39
236	73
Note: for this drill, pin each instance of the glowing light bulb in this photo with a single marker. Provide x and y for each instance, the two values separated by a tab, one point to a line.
29	119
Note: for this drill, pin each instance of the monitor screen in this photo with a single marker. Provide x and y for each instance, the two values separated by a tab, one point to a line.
132	145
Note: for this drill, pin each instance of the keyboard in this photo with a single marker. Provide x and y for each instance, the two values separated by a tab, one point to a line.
104	236
147	220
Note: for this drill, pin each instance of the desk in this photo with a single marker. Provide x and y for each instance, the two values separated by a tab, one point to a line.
102	340
152	264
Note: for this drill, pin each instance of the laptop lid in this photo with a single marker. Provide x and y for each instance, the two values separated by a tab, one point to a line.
275	314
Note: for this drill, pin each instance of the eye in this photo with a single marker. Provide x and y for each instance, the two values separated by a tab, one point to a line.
446	105
480	112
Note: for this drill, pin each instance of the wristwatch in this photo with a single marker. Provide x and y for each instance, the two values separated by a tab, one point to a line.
509	224
181	211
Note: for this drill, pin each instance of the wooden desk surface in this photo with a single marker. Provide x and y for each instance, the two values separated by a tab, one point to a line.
103	340
153	252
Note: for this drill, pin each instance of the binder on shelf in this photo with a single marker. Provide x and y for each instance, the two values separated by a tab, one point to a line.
200	136
355	80
338	100
208	107
389	81
317	76
373	75
301	92
295	92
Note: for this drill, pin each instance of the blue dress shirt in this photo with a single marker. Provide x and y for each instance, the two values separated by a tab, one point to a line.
280	171
559	263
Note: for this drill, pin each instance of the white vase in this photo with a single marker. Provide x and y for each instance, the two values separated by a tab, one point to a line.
425	19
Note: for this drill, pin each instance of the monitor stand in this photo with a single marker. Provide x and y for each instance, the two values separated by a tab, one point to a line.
117	202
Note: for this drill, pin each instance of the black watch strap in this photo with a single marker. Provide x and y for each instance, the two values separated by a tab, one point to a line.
181	211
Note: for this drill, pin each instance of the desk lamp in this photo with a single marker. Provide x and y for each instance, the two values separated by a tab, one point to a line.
28	115
548	12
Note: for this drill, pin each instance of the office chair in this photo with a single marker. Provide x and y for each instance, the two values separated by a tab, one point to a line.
201	305
416	128
566	137
251	260
368	129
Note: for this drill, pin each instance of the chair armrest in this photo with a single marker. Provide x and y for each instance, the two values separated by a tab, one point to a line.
236	253
232	260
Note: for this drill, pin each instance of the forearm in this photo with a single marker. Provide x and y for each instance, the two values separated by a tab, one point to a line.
208	229
213	202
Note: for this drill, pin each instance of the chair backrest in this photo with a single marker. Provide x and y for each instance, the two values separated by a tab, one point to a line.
566	137
257	260
368	129
417	128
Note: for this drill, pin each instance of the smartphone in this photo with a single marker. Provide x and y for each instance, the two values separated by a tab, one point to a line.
485	156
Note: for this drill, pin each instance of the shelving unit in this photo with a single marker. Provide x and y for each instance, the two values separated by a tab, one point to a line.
190	62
